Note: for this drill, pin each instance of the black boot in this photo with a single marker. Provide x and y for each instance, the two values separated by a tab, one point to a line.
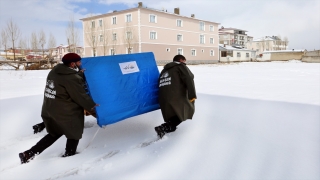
160	131
71	147
26	156
38	127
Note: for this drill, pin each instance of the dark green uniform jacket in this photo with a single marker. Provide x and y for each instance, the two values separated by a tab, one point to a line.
64	101
176	89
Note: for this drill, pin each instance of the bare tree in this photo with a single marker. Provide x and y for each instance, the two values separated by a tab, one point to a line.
91	35
51	44
13	32
105	35
129	37
114	42
72	33
23	46
34	42
278	42
286	42
42	41
4	40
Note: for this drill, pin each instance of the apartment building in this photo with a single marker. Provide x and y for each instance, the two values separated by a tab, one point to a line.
234	37
268	43
143	29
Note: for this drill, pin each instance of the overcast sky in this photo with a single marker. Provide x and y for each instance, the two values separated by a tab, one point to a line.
299	20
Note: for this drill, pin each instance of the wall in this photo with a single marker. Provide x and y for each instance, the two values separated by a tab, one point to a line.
311	56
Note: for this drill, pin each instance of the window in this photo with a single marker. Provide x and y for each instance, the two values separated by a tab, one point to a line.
94	53
112	51
223	53
202	50
93	24
129	35
128	18
211	52
114	20
193	52
201	39
101	38
180	51
211	28
247	54
100	22
201	26
152	18
168	49
179	22
238	54
114	36
225	42
153	35
179	37
211	40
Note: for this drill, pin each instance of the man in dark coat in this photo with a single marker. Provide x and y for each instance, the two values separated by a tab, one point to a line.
177	94
65	100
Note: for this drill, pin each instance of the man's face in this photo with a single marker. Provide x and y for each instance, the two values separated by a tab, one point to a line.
76	65
183	60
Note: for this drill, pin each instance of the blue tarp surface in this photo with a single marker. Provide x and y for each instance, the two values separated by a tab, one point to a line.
123	85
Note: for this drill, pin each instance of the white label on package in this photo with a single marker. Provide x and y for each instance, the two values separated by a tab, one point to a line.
129	67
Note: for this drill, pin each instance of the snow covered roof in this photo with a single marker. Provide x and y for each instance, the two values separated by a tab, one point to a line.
285	51
267	38
225	29
232	48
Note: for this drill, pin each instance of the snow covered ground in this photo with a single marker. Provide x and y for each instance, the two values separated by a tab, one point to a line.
252	121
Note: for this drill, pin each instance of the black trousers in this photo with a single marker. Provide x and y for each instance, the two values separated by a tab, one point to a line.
171	124
48	140
174	121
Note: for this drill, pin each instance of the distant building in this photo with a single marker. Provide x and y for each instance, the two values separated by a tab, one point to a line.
234	37
143	29
267	43
235	54
59	51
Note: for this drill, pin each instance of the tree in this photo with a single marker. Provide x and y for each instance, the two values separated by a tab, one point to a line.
51	44
286	42
105	35
13	32
278	42
4	40
72	34
34	42
114	42
129	37
91	35
42	41
23	45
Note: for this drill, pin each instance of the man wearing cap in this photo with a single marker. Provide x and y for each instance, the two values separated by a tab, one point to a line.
65	100
177	94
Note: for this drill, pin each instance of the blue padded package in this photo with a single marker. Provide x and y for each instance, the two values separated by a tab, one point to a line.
123	85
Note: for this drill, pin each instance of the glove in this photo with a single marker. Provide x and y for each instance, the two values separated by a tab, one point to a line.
38	127
191	100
